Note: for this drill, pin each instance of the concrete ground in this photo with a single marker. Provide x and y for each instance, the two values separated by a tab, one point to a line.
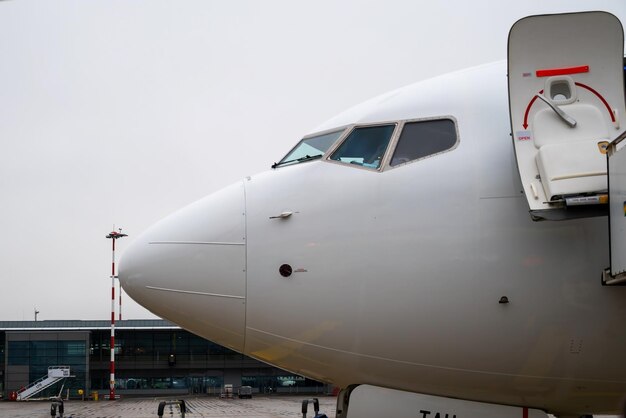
274	406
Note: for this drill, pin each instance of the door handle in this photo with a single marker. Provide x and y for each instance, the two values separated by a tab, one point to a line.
570	121
283	215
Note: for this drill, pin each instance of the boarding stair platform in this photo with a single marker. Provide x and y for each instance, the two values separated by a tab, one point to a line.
55	374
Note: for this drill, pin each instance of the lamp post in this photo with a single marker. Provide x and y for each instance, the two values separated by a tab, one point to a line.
113	236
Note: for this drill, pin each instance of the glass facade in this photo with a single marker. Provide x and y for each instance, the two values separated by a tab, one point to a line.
192	384
2	346
152	357
153	346
282	383
167	353
39	355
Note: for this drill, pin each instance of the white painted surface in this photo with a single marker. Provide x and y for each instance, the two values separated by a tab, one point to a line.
371	401
191	266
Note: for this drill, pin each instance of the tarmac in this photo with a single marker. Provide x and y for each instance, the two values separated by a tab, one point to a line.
274	406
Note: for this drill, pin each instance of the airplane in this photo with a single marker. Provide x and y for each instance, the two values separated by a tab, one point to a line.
453	248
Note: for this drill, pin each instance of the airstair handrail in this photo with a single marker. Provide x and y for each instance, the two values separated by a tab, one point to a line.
30	385
612	147
44	381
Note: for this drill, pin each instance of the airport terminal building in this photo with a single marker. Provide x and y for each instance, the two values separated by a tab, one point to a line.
153	357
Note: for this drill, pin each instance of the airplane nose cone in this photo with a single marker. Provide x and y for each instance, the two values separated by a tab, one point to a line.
189	268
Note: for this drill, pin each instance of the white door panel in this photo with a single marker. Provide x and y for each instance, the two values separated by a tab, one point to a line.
566	97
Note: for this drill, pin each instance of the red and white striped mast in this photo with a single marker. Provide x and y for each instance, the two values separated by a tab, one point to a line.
113	236
120	293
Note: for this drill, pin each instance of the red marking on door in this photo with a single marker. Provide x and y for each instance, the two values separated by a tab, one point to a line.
592	90
525	413
525	125
549	72
606	104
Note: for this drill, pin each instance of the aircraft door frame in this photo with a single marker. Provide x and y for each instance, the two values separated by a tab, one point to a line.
616	160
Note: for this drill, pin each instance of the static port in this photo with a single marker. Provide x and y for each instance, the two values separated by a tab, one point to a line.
285	270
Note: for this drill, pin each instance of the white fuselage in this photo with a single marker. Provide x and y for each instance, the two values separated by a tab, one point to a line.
398	273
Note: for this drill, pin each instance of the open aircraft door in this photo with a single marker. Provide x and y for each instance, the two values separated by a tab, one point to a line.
566	103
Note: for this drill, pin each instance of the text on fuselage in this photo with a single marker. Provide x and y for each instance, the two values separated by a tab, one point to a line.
427	414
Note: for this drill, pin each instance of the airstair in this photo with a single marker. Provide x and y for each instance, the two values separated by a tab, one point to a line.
55	374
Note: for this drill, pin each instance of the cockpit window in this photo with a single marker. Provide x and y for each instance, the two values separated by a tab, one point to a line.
310	148
421	139
365	146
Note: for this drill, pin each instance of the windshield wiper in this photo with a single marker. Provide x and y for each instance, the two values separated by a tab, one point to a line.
299	160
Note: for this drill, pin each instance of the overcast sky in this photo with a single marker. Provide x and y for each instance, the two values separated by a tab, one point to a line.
120	112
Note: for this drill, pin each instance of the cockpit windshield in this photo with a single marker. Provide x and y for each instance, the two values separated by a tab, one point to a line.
309	149
365	146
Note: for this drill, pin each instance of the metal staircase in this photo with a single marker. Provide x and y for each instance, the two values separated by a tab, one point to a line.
55	373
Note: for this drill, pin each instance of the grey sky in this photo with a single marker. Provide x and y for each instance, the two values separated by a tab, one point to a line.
123	111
